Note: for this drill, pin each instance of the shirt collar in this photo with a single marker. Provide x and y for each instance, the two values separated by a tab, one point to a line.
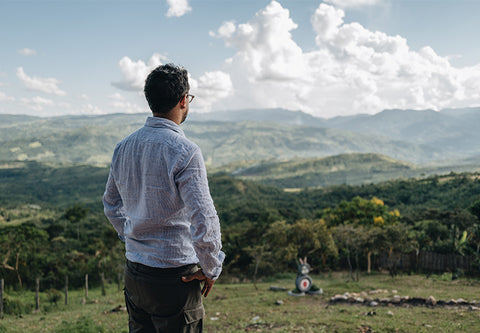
163	123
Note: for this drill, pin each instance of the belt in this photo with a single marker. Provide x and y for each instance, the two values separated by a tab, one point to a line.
158	271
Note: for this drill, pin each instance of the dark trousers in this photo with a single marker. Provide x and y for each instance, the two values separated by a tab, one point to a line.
159	301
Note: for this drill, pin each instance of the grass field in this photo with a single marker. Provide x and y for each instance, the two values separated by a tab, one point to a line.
243	307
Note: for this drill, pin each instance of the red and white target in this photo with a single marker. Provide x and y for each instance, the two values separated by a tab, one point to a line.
303	283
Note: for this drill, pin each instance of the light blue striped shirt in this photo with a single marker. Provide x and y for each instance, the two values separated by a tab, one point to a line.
158	200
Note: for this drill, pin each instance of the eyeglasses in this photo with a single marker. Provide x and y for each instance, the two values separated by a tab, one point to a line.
190	98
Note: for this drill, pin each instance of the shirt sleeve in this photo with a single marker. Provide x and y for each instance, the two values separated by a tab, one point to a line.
113	206
192	184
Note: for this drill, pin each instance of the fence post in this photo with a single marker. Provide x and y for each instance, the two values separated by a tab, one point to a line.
103	283
119	281
37	297
66	289
1	298
86	286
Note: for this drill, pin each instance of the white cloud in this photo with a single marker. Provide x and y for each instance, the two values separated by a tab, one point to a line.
391	74
353	3
46	85
177	8
353	70
210	88
121	104
226	30
135	72
27	52
265	44
89	109
37	103
326	21
5	98
269	68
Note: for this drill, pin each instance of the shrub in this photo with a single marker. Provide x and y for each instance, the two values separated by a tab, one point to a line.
15	307
54	296
82	325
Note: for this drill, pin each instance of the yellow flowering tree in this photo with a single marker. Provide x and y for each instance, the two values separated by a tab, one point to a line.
371	215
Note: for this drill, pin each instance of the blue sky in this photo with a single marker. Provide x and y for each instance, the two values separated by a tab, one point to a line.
327	58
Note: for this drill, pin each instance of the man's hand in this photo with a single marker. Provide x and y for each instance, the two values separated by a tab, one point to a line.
198	275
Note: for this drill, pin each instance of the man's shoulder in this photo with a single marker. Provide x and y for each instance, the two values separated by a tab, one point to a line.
129	138
174	140
184	145
186	141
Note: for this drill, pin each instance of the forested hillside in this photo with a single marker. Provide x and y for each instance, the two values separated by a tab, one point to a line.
351	169
51	218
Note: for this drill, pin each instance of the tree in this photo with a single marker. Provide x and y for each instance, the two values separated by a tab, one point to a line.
350	240
75	214
431	235
20	246
304	238
475	229
259	253
399	238
371	215
475	209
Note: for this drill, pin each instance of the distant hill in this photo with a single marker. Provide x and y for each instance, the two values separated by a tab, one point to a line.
90	140
278	116
447	139
24	183
453	132
354	169
82	139
351	169
224	143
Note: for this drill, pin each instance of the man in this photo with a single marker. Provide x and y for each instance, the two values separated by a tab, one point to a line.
157	198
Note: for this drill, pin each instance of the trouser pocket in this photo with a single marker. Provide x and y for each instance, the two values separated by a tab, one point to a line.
186	321
193	315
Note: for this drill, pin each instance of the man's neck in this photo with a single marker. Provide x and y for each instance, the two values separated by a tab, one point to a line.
177	114
170	116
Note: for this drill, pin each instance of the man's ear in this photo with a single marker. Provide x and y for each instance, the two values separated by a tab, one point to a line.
183	101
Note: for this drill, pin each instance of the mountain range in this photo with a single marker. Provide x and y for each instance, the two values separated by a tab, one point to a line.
241	141
452	132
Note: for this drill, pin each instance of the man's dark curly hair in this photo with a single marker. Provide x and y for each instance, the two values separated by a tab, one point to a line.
165	86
